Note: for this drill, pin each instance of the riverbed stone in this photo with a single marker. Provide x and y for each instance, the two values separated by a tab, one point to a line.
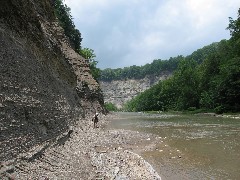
90	154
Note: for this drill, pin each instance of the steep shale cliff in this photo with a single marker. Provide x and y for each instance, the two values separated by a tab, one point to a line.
45	87
118	92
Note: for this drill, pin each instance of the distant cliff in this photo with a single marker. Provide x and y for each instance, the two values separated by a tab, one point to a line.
118	92
45	86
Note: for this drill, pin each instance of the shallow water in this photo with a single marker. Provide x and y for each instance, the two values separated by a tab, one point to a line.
192	146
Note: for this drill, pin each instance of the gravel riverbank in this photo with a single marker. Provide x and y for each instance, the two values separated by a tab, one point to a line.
87	153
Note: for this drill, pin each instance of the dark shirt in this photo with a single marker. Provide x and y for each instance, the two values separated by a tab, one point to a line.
95	118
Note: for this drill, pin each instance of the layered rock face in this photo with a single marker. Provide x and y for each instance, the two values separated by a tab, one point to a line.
118	92
45	87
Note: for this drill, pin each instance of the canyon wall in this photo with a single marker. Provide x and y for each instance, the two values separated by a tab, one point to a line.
118	92
45	86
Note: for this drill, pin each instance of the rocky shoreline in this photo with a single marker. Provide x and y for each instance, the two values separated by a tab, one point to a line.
87	153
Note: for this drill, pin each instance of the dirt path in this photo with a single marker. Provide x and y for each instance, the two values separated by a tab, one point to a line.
88	154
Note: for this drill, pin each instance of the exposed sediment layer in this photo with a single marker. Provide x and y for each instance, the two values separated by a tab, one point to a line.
118	92
45	86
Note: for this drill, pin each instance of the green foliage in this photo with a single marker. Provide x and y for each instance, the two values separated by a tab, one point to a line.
206	100
201	54
177	93
110	107
234	27
228	87
89	55
186	82
147	101
207	79
62	12
157	67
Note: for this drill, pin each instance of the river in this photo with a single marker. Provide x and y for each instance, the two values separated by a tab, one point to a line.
192	146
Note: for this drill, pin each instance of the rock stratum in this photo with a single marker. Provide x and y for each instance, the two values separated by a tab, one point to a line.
45	86
118	92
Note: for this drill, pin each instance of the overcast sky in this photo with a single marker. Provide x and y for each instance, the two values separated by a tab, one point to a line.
135	32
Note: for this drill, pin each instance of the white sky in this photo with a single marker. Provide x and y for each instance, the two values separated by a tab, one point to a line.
135	32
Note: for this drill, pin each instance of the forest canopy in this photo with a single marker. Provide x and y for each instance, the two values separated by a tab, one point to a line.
157	67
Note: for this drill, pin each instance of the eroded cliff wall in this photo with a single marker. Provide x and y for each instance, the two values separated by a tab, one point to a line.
45	87
118	92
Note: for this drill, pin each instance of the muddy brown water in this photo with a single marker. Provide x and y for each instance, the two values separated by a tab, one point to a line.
191	146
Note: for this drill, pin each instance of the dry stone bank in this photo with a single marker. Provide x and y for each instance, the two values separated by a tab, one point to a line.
87	153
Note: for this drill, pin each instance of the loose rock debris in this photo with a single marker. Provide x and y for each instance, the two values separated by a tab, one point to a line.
87	154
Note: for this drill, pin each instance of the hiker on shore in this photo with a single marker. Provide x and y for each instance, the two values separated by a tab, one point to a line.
95	120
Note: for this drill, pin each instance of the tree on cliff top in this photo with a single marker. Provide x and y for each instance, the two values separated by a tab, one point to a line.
62	11
89	55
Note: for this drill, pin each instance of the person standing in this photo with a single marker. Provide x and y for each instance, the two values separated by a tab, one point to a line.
95	120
